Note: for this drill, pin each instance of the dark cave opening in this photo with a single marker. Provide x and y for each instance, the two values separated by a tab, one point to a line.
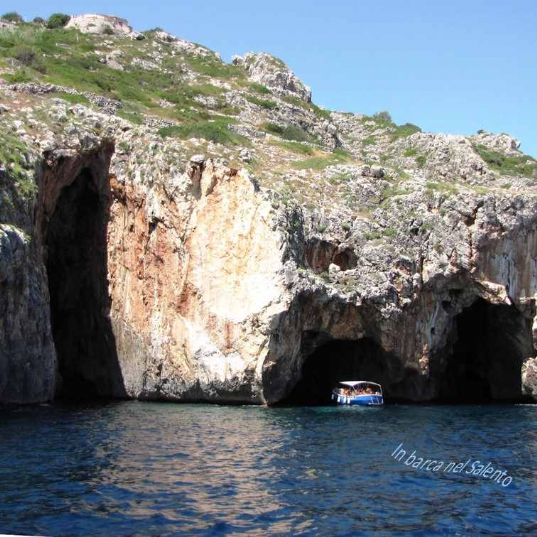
76	263
335	360
483	362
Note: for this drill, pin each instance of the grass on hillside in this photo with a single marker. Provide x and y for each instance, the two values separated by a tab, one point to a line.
14	160
297	147
288	132
384	120
267	104
339	156
321	113
522	165
444	188
214	130
68	58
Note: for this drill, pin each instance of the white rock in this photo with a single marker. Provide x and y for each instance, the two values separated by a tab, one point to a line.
100	24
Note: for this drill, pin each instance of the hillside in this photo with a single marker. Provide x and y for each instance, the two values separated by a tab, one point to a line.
242	228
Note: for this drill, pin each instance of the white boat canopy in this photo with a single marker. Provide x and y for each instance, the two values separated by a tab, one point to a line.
354	383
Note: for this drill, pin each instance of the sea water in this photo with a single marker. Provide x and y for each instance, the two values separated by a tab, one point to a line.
132	468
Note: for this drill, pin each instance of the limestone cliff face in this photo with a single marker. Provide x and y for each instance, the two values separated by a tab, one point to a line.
195	274
206	290
221	238
414	321
27	356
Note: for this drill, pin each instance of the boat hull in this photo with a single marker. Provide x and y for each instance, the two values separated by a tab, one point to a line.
358	400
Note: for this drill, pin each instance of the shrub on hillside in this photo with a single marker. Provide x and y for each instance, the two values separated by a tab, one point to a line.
57	20
28	57
12	16
24	55
383	117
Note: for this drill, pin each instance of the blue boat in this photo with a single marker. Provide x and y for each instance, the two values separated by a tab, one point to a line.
358	392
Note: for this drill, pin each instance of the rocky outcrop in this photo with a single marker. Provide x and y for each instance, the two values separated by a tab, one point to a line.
27	356
265	262
265	69
183	45
101	24
194	271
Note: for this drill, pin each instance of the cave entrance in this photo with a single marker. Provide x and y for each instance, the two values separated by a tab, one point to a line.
76	264
489	344
332	361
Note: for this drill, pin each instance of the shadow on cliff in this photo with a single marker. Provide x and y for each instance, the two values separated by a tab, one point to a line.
480	361
72	219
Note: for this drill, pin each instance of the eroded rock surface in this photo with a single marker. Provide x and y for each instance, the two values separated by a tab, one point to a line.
232	242
100	24
273	73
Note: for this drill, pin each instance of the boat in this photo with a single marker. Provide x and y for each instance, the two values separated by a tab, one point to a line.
358	392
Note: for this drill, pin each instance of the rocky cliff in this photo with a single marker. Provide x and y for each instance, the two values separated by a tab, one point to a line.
175	227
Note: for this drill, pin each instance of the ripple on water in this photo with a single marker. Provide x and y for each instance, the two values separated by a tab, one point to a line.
162	469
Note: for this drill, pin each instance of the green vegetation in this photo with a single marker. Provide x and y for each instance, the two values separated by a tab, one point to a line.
339	156
212	66
214	130
259	88
28	57
410	152
380	233
339	178
13	157
382	119
522	165
297	147
68	58
402	131
322	113
132	116
392	191
57	20
369	140
445	188
12	16
289	132
18	77
71	98
263	103
421	160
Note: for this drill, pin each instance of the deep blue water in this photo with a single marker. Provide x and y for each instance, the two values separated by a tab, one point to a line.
150	469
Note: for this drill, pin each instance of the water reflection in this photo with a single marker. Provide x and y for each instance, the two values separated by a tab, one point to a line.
162	469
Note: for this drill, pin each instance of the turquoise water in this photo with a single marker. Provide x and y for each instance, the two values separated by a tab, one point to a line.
149	469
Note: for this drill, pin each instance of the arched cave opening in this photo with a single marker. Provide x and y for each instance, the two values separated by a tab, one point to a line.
483	361
76	264
332	361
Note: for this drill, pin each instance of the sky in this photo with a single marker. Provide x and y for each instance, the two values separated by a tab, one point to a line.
448	66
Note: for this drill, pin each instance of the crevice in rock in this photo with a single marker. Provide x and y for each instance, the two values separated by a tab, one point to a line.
319	254
482	361
75	251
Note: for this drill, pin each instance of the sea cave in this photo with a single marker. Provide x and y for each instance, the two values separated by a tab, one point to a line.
76	265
